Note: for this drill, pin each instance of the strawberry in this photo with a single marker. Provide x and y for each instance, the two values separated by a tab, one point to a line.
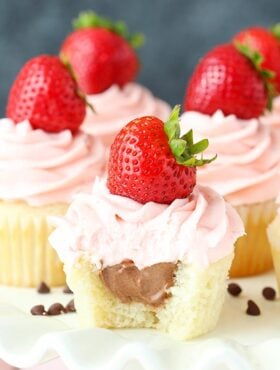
150	162
45	93
101	53
265	43
229	78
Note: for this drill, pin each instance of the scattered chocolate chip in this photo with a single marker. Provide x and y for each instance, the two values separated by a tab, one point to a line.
67	290
56	309
253	309
234	289
269	293
70	307
38	310
43	288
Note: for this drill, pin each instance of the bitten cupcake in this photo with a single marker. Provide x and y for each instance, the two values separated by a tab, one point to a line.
223	103
149	249
104	60
44	161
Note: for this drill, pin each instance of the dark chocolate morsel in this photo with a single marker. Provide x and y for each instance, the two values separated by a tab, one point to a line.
38	310
43	288
70	307
56	309
269	293
253	308
67	290
234	289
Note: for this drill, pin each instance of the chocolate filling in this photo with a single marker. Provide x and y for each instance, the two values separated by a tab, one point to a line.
148	285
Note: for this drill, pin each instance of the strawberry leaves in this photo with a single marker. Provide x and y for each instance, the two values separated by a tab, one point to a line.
90	19
184	148
267	75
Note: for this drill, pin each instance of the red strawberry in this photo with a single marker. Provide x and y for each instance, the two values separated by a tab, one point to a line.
101	53
150	162
228	80
45	93
265	43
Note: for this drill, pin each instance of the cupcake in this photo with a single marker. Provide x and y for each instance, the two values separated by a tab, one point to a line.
103	57
149	248
273	232
224	103
44	161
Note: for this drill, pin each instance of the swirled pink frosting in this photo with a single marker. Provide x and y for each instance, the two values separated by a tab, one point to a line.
117	106
109	228
247	168
43	168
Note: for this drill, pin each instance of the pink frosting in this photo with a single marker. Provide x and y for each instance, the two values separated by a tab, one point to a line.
116	107
43	168
247	169
109	228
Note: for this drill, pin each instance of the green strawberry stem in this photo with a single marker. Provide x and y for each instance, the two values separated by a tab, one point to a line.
183	148
275	29
266	74
91	19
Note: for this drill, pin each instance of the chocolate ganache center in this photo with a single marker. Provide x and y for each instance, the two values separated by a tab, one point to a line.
148	285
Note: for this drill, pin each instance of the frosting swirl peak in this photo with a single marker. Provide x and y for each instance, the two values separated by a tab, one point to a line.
43	168
117	106
247	169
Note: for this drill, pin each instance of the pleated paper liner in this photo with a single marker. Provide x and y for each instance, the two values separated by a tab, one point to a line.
252	251
26	258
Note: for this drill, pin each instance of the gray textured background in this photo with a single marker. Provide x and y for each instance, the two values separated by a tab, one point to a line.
178	32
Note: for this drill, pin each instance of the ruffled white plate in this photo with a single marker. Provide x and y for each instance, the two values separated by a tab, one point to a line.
240	342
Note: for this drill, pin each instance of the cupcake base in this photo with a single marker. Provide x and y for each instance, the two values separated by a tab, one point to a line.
26	258
252	251
274	238
193	308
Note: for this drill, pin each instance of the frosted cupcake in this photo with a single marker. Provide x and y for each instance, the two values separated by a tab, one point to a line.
44	161
104	59
149	249
274	238
246	173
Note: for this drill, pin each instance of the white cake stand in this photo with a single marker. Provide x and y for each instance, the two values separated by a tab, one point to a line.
240	342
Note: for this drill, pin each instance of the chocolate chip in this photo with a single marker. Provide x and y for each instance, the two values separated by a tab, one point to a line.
70	307
234	289
43	288
38	310
55	309
67	290
269	293
253	309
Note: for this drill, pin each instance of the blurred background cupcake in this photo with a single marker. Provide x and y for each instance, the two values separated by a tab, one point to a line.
44	160
224	103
